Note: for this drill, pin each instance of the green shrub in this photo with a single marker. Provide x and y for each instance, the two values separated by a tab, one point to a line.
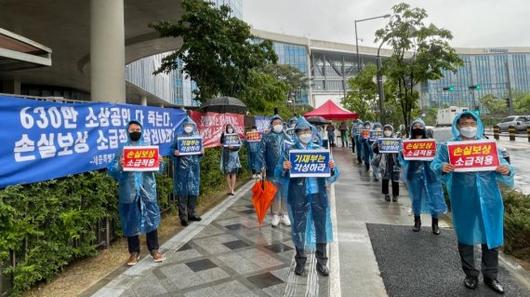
517	224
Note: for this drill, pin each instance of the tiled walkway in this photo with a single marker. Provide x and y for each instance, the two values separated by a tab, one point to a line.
228	255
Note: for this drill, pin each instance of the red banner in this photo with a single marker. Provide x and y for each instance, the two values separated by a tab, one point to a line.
211	125
140	158
475	155
419	149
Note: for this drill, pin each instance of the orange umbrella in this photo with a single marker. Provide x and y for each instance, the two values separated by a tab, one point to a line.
262	196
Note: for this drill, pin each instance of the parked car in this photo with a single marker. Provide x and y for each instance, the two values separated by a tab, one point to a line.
519	122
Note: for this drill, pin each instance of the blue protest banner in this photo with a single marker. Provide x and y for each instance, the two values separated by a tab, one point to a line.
232	140
191	145
389	145
309	163
45	140
262	123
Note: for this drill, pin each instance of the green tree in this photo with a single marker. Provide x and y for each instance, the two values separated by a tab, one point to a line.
295	80
218	51
420	53
362	95
493	104
521	103
264	92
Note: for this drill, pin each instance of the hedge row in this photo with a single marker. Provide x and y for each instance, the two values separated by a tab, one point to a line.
49	224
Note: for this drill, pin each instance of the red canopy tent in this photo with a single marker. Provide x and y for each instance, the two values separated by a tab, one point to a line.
331	111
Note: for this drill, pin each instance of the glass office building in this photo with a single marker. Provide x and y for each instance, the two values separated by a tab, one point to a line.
488	71
296	56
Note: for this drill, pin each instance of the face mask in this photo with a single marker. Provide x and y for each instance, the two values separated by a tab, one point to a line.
277	128
468	132
305	138
188	129
387	133
230	130
418	132
135	136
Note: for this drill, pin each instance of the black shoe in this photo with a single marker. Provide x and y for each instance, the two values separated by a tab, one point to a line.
300	260
195	218
471	282
184	222
323	269
387	197
435	228
495	285
395	198
417	224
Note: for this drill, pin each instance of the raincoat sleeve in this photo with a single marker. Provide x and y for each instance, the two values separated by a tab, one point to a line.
404	164
375	147
507	180
114	168
442	156
335	173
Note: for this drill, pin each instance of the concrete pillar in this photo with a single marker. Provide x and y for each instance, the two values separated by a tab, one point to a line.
107	50
144	100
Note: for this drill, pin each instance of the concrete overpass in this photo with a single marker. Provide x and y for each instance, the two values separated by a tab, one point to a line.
91	42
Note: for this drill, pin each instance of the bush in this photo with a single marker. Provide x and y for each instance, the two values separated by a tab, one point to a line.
517	224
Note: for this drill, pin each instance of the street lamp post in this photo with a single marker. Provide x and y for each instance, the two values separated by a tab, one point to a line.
357	39
380	87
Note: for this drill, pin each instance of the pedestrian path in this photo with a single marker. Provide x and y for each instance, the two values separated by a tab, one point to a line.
226	254
374	254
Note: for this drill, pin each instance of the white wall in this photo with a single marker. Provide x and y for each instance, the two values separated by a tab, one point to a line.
318	100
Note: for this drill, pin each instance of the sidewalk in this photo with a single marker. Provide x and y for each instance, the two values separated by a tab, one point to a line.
374	254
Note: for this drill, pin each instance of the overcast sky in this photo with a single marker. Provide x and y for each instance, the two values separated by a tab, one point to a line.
474	23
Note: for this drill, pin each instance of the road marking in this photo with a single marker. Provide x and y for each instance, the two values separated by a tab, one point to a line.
334	281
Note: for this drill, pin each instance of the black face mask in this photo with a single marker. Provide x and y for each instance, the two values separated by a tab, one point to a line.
416	132
135	136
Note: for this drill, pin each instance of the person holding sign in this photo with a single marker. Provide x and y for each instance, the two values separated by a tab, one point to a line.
272	149
230	163
253	147
138	207
390	169
358	142
366	146
476	202
375	134
307	201
187	173
425	188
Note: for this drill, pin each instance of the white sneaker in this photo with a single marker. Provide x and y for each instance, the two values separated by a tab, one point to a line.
285	220
275	220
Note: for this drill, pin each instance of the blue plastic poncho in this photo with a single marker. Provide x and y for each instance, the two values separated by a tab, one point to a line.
310	214
138	207
389	164
358	142
425	188
272	147
366	147
476	200
187	173
254	160
230	163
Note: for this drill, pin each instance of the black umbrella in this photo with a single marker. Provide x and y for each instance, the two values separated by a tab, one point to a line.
317	120
224	105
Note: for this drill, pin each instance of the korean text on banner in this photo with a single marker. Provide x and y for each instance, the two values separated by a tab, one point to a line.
389	145
309	163
211	125
140	158
470	156
232	140
419	149
375	135
191	145
253	136
47	140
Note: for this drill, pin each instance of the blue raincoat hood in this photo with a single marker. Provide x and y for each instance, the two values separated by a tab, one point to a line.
303	124
180	129
418	120
456	132
276	117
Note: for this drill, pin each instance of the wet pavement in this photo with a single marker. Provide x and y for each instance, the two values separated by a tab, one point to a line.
228	254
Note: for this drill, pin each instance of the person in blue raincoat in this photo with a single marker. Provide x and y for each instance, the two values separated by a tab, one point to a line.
476	203
390	170
272	146
253	149
366	146
308	203
138	206
230	163
359	143
187	174
376	157
425	188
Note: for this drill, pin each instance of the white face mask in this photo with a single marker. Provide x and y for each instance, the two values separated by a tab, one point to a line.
468	132
188	129
387	133
277	128
305	138
230	130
